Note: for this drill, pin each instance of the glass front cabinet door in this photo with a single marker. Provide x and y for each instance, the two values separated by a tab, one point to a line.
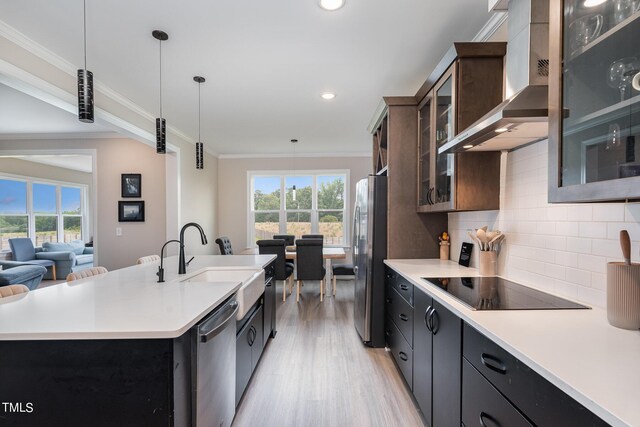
594	101
424	153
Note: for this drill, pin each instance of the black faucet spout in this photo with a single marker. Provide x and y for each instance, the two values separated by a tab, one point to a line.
182	265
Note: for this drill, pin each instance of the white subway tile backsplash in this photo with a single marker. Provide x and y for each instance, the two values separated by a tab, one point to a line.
557	248
608	212
595	264
594	230
579	245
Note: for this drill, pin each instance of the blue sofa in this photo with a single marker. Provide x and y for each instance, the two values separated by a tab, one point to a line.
67	257
28	275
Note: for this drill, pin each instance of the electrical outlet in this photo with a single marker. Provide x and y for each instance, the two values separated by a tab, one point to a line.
118	231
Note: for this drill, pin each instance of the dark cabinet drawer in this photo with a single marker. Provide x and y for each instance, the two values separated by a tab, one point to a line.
400	284
542	402
401	313
483	405
402	352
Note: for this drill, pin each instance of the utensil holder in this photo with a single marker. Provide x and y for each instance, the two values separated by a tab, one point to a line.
444	250
488	263
623	295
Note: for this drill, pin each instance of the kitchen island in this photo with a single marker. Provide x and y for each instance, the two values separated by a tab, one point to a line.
111	349
577	351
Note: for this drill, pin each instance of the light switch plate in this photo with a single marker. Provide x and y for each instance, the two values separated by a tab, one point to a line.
118	231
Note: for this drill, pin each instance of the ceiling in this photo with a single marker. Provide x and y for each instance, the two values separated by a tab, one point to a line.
22	114
266	63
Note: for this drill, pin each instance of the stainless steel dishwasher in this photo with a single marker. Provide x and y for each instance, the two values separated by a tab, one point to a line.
214	379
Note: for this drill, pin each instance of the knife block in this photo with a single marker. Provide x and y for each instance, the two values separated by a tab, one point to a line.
488	263
623	295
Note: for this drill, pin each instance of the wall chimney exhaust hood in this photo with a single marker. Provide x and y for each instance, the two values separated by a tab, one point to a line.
522	117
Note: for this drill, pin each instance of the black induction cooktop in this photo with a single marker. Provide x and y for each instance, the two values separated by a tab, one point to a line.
496	293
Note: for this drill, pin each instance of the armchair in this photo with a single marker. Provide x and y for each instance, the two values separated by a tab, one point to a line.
24	253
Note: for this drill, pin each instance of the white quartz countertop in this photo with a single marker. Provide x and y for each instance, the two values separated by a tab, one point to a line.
577	350
123	304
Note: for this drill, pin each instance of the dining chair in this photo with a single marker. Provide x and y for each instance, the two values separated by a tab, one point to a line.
340	270
89	272
147	259
313	236
289	239
225	245
284	269
7	291
309	264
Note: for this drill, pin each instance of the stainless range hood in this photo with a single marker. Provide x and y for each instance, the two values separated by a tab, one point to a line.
522	117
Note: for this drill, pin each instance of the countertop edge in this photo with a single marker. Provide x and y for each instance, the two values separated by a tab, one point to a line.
463	312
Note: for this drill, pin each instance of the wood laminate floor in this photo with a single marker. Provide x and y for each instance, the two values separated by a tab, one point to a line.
316	372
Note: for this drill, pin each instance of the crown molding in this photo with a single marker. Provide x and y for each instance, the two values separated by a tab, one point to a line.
59	135
495	21
289	155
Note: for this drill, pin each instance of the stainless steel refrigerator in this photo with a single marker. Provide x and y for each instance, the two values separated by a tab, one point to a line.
369	252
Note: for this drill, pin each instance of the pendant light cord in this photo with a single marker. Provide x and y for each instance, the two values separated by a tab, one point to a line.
199	84
84	21
160	78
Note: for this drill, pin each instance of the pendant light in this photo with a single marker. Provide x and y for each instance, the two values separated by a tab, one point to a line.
85	80
294	142
161	125
199	146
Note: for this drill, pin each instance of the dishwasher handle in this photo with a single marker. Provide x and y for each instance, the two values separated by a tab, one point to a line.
219	321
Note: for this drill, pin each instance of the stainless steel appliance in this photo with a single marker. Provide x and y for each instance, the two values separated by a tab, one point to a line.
214	379
496	293
369	252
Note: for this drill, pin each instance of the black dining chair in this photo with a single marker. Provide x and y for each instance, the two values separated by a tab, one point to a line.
313	236
284	269
340	270
289	239
225	245
309	262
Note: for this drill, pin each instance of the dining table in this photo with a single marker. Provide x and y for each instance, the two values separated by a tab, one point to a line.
328	254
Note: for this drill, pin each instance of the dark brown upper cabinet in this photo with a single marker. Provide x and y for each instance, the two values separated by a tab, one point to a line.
467	83
594	104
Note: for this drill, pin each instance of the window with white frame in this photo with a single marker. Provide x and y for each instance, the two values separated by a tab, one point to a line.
314	202
44	211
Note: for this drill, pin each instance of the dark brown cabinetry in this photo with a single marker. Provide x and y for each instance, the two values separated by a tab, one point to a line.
437	345
491	372
399	322
594	104
466	84
394	140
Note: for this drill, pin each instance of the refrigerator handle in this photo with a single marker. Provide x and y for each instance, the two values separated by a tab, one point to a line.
356	236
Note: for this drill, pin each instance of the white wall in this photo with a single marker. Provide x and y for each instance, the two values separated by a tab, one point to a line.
558	248
232	188
116	156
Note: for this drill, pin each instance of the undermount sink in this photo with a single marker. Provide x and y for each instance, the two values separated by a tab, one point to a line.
252	284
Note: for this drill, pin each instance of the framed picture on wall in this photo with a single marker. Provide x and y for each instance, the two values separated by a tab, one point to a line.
130	211
131	185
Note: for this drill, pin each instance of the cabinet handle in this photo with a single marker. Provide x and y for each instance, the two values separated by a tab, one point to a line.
429	201
484	416
493	363
404	287
426	319
435	321
403	317
251	336
403	356
389	300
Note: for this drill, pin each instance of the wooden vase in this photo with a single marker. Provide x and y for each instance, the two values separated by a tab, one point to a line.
444	250
488	263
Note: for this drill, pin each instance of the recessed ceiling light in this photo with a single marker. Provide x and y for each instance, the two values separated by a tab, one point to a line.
467	146
335	4
593	3
328	95
501	130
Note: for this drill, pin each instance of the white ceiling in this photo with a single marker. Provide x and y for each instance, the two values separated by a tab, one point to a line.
21	114
266	62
